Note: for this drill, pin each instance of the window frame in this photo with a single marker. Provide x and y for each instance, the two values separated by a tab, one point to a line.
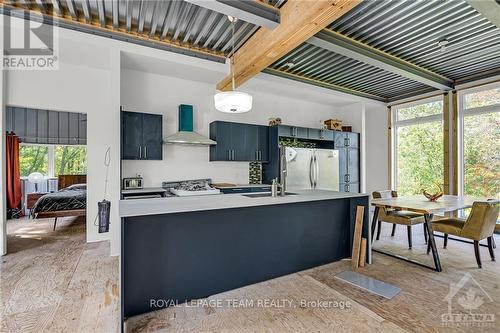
462	114
51	155
408	122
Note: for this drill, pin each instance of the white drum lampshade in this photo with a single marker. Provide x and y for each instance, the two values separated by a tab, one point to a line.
36	178
233	101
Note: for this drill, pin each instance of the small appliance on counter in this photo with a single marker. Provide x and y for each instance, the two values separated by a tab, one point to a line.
144	193
132	183
185	188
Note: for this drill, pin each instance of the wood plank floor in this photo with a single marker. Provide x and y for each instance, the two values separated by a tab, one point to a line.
54	282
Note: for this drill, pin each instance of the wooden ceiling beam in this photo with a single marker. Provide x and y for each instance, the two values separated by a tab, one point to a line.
300	20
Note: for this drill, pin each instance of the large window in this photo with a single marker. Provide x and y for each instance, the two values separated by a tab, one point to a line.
418	147
480	143
33	158
70	160
52	160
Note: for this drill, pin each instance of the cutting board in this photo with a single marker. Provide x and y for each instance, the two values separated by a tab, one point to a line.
223	185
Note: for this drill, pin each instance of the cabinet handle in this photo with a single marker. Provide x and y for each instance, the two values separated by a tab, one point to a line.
348	177
260	155
345	178
232	154
145	151
229	154
140	151
349	141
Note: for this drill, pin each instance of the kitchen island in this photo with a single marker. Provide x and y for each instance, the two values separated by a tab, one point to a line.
179	249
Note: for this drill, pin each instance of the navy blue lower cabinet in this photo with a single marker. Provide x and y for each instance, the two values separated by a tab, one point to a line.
178	257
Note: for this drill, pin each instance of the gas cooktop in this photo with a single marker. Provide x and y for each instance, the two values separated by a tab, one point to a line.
184	188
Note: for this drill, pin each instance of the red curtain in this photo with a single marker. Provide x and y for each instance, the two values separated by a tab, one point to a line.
13	174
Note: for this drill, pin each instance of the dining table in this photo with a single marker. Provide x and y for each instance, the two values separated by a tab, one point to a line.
420	204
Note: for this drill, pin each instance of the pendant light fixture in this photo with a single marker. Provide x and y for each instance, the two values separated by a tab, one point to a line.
233	101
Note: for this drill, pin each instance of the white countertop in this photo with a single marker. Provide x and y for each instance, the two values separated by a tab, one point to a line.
141	207
241	186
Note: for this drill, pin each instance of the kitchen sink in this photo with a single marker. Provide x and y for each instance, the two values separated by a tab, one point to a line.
265	194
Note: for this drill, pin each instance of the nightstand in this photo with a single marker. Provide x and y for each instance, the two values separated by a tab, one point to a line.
32	198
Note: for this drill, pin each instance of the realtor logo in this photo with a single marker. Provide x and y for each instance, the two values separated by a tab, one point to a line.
30	43
465	299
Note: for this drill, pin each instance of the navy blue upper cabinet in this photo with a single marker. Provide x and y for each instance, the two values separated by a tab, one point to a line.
320	134
293	131
305	133
131	136
239	142
152	137
221	132
142	136
263	147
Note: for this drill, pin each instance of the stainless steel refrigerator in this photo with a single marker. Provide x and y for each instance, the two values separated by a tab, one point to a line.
305	168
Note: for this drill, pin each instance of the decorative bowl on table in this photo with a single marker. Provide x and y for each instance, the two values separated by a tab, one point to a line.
435	196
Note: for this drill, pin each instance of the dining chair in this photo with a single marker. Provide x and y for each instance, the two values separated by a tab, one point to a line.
395	217
479	225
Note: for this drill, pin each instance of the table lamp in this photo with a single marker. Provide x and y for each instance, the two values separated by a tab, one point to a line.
36	178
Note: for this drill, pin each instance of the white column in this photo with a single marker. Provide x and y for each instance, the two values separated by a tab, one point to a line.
362	147
51	161
114	185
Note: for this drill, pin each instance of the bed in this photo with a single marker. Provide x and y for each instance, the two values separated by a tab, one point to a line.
69	200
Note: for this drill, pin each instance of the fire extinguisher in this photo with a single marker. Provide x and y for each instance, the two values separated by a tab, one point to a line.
104	206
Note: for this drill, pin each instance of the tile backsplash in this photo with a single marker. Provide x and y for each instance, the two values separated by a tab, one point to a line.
255	173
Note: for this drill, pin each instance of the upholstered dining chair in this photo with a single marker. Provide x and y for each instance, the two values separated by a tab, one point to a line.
479	225
395	217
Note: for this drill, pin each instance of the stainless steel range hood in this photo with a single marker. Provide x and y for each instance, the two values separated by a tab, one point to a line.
186	135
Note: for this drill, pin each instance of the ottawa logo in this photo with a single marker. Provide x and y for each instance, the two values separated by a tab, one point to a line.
465	299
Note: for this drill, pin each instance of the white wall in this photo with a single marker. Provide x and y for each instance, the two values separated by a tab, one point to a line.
88	81
151	93
376	149
77	89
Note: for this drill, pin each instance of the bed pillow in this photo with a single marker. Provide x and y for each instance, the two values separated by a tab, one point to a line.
76	187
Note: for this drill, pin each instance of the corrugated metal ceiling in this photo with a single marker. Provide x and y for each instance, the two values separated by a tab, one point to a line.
409	30
176	21
315	63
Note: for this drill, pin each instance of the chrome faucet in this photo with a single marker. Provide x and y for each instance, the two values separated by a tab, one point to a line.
283	172
277	188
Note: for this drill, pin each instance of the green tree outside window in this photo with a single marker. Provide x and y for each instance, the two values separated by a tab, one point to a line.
70	160
33	158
